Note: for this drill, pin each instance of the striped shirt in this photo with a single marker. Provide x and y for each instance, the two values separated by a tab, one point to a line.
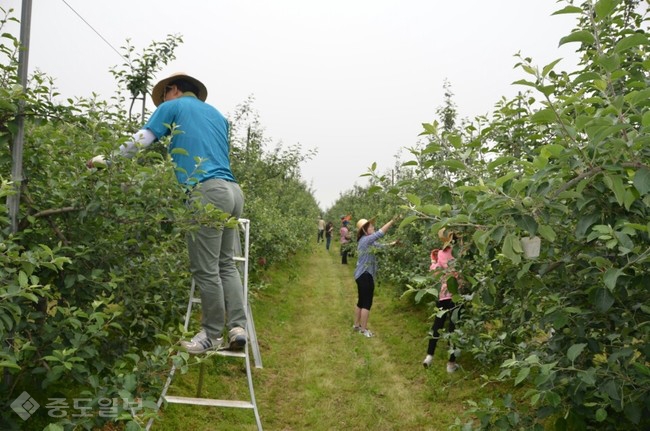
367	261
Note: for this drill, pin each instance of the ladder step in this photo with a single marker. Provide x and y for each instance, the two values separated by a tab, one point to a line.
210	402
239	259
229	353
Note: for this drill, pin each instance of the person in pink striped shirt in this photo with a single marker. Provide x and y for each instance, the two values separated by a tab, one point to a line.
441	263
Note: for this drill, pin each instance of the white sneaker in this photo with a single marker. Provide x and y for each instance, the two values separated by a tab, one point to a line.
237	338
427	361
356	328
452	367
201	343
366	333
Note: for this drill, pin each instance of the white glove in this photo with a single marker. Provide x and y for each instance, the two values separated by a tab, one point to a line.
98	162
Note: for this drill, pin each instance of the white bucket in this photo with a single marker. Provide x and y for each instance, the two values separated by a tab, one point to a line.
531	246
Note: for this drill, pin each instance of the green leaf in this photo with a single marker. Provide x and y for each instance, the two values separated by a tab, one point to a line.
582	36
631	41
544	116
642	180
603	299
584	223
601	414
624	240
604	7
550	66
525	82
414	199
615	183
642	368
553	398
630	198
499	161
586	77
609	62
22	279
568	9
547	232
645	120
481	239
507	177
588	377
512	249
527	223
408	220
452	284
429	129
455	140
575	350
633	412
552	150
521	375
610	277
430	210
8	364
454	164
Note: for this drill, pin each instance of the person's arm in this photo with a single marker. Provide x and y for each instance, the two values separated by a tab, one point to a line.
387	226
142	139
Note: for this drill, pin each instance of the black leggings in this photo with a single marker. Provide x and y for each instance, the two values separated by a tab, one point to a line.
439	323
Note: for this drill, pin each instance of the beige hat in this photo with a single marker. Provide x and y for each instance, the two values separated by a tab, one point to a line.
362	222
157	92
445	236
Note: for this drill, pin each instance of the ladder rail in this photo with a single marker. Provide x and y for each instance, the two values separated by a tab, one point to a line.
242	256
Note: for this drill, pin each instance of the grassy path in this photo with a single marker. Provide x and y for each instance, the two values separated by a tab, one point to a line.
320	375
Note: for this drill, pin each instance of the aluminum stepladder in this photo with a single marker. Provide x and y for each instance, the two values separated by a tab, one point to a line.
241	256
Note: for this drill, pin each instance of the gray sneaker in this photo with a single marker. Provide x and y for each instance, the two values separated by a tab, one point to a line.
237	338
452	367
201	343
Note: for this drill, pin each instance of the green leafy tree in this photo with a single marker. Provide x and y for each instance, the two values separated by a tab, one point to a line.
93	287
565	163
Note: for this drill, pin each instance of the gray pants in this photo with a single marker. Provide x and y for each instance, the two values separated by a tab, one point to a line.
212	262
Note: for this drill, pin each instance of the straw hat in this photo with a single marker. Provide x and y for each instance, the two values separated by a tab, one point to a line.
157	91
445	236
362	222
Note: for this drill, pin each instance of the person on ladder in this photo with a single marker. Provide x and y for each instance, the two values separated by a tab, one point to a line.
204	131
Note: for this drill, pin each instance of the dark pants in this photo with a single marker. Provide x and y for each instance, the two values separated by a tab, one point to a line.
365	290
453	314
344	255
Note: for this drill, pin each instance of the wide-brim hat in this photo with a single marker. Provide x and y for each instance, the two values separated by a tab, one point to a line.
157	91
362	222
446	236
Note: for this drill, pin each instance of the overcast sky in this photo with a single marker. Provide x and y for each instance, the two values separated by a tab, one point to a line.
353	79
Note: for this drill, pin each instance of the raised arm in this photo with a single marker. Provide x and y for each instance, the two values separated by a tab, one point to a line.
387	226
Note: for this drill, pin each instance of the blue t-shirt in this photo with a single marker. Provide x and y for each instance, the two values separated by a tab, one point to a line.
367	262
201	131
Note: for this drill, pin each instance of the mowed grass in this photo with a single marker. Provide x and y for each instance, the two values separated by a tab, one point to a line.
317	373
